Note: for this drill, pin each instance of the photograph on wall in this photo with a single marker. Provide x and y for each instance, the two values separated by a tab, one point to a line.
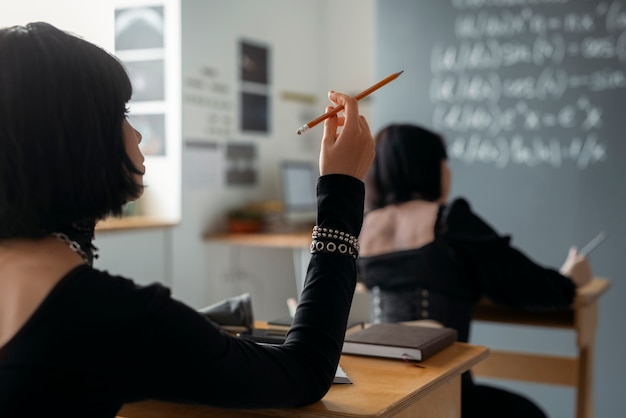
241	164
139	28
152	129
255	112
203	165
148	79
254	63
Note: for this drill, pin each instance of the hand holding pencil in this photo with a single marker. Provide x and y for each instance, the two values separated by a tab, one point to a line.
351	150
359	96
577	268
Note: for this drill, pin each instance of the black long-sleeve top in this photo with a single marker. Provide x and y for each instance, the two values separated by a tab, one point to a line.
98	341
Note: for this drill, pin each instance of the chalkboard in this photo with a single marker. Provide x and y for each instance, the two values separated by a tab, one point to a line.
531	98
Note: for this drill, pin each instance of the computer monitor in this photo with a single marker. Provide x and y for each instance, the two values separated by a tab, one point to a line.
298	180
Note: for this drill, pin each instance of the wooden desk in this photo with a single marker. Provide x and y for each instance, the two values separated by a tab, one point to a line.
582	317
575	371
381	388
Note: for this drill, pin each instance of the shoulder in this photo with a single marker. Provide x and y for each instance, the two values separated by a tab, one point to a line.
458	211
98	288
104	279
459	216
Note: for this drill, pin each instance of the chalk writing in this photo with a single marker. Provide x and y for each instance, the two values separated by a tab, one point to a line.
528	151
523	81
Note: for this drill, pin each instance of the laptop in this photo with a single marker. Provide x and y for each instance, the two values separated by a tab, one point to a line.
298	181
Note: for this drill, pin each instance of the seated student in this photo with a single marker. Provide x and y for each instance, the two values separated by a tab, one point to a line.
78	342
426	258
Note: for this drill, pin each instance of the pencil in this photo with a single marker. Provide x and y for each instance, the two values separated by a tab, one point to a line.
338	109
593	244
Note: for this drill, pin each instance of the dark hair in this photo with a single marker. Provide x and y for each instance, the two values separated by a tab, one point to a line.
62	155
407	166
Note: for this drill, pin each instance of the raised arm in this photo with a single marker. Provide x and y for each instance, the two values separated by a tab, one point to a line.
199	363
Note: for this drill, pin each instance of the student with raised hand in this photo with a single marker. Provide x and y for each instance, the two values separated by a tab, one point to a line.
425	258
78	342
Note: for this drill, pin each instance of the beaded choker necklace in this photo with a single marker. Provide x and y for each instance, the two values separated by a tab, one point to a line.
74	246
79	237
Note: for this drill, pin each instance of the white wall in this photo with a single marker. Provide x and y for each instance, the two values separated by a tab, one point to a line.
92	20
314	46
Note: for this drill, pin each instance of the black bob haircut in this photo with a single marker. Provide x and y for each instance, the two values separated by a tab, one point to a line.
62	156
407	166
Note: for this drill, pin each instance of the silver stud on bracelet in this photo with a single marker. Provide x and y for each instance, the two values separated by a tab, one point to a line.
334	234
331	247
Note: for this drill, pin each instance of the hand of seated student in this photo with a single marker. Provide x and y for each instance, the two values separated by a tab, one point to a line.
577	268
350	150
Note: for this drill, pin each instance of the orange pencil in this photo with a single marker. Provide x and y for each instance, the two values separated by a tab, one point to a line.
338	109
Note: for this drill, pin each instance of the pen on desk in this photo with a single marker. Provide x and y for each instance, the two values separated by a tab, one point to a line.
593	244
338	109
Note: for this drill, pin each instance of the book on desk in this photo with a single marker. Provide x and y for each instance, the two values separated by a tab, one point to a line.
399	341
280	326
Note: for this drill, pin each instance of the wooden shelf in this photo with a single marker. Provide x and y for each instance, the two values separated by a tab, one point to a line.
133	222
264	239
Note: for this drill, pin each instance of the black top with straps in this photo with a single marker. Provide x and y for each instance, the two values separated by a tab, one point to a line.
467	260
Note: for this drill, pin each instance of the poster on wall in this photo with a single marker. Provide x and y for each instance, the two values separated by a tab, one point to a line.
208	107
139	43
254	74
241	164
254	112
204	165
147	78
139	28
254	63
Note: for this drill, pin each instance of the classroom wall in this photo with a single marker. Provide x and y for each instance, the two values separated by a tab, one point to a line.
292	31
92	20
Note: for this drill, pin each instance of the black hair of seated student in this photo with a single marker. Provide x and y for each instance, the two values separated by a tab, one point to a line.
79	148
405	170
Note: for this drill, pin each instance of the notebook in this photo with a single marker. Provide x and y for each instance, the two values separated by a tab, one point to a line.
392	340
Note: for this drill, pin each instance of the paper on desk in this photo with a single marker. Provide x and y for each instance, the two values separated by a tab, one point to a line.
341	376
